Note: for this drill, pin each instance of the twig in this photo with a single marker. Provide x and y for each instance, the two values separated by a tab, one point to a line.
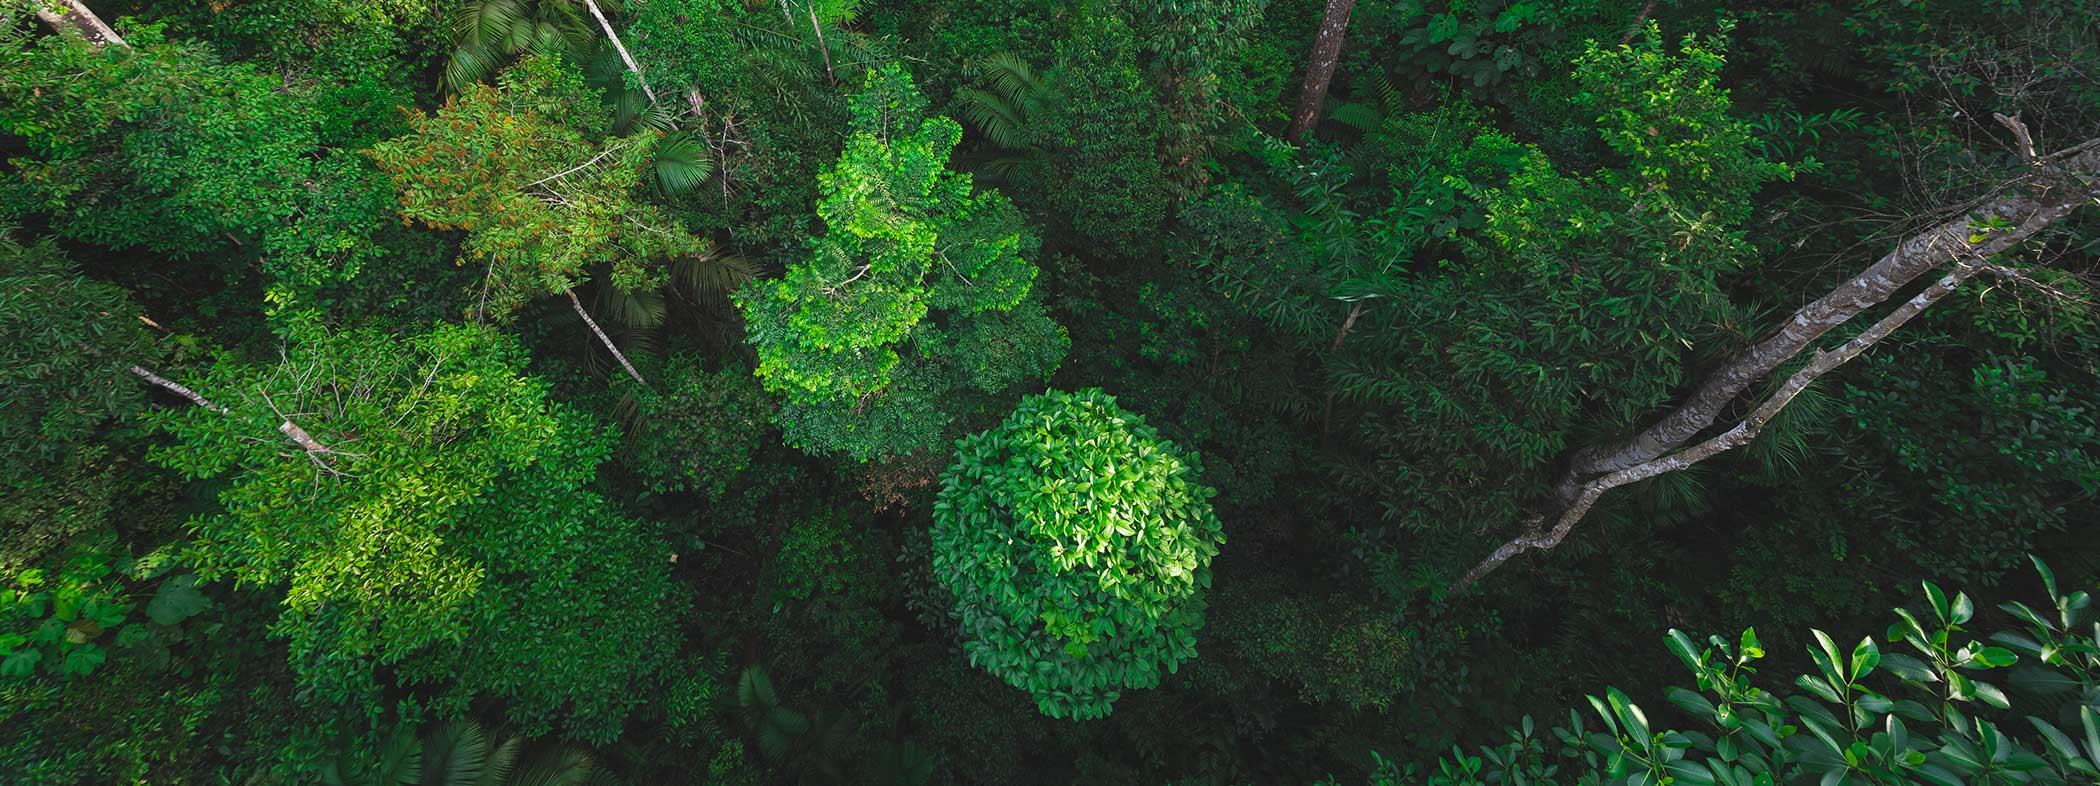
609	150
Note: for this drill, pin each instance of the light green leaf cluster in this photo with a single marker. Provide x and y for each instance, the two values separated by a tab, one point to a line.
443	525
1078	545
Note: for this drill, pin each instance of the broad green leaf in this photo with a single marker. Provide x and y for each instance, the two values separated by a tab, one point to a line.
1865	657
177	599
20	664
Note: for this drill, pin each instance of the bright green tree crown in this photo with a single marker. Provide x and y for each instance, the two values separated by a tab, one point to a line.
1078	543
907	234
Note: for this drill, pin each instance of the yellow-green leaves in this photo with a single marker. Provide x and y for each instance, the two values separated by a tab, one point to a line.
446	532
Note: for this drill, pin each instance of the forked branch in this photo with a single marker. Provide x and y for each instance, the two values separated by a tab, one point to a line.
2057	185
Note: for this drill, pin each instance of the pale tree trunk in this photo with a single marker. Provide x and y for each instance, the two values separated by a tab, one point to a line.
172	387
622	49
602	338
821	46
73	15
1319	69
2018	211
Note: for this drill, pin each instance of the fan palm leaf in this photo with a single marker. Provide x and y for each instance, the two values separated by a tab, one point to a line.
682	164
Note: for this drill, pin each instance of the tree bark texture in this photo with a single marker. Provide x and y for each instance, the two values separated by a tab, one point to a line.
602	338
622	49
74	15
2017	211
1319	68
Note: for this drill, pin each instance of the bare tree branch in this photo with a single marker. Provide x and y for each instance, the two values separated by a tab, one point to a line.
1741	434
176	389
602	338
2021	136
821	45
622	49
74	15
2013	214
2027	208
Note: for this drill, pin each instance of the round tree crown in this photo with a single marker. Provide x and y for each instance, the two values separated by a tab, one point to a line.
1078	543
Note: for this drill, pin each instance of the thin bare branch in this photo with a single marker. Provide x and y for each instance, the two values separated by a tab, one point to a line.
602	338
177	389
622	49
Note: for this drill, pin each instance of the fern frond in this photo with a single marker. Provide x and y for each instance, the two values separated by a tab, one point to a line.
1364	118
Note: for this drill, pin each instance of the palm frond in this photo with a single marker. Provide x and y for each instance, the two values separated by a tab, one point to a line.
1013	93
682	164
632	311
455	754
1000	120
1005	169
563	766
715	272
468	64
1013	78
501	762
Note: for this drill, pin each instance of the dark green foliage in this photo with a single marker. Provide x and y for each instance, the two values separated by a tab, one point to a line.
1333	651
1919	713
458	753
698	430
1104	141
163	147
426	526
2011	422
67	345
757	89
1078	544
1482	243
